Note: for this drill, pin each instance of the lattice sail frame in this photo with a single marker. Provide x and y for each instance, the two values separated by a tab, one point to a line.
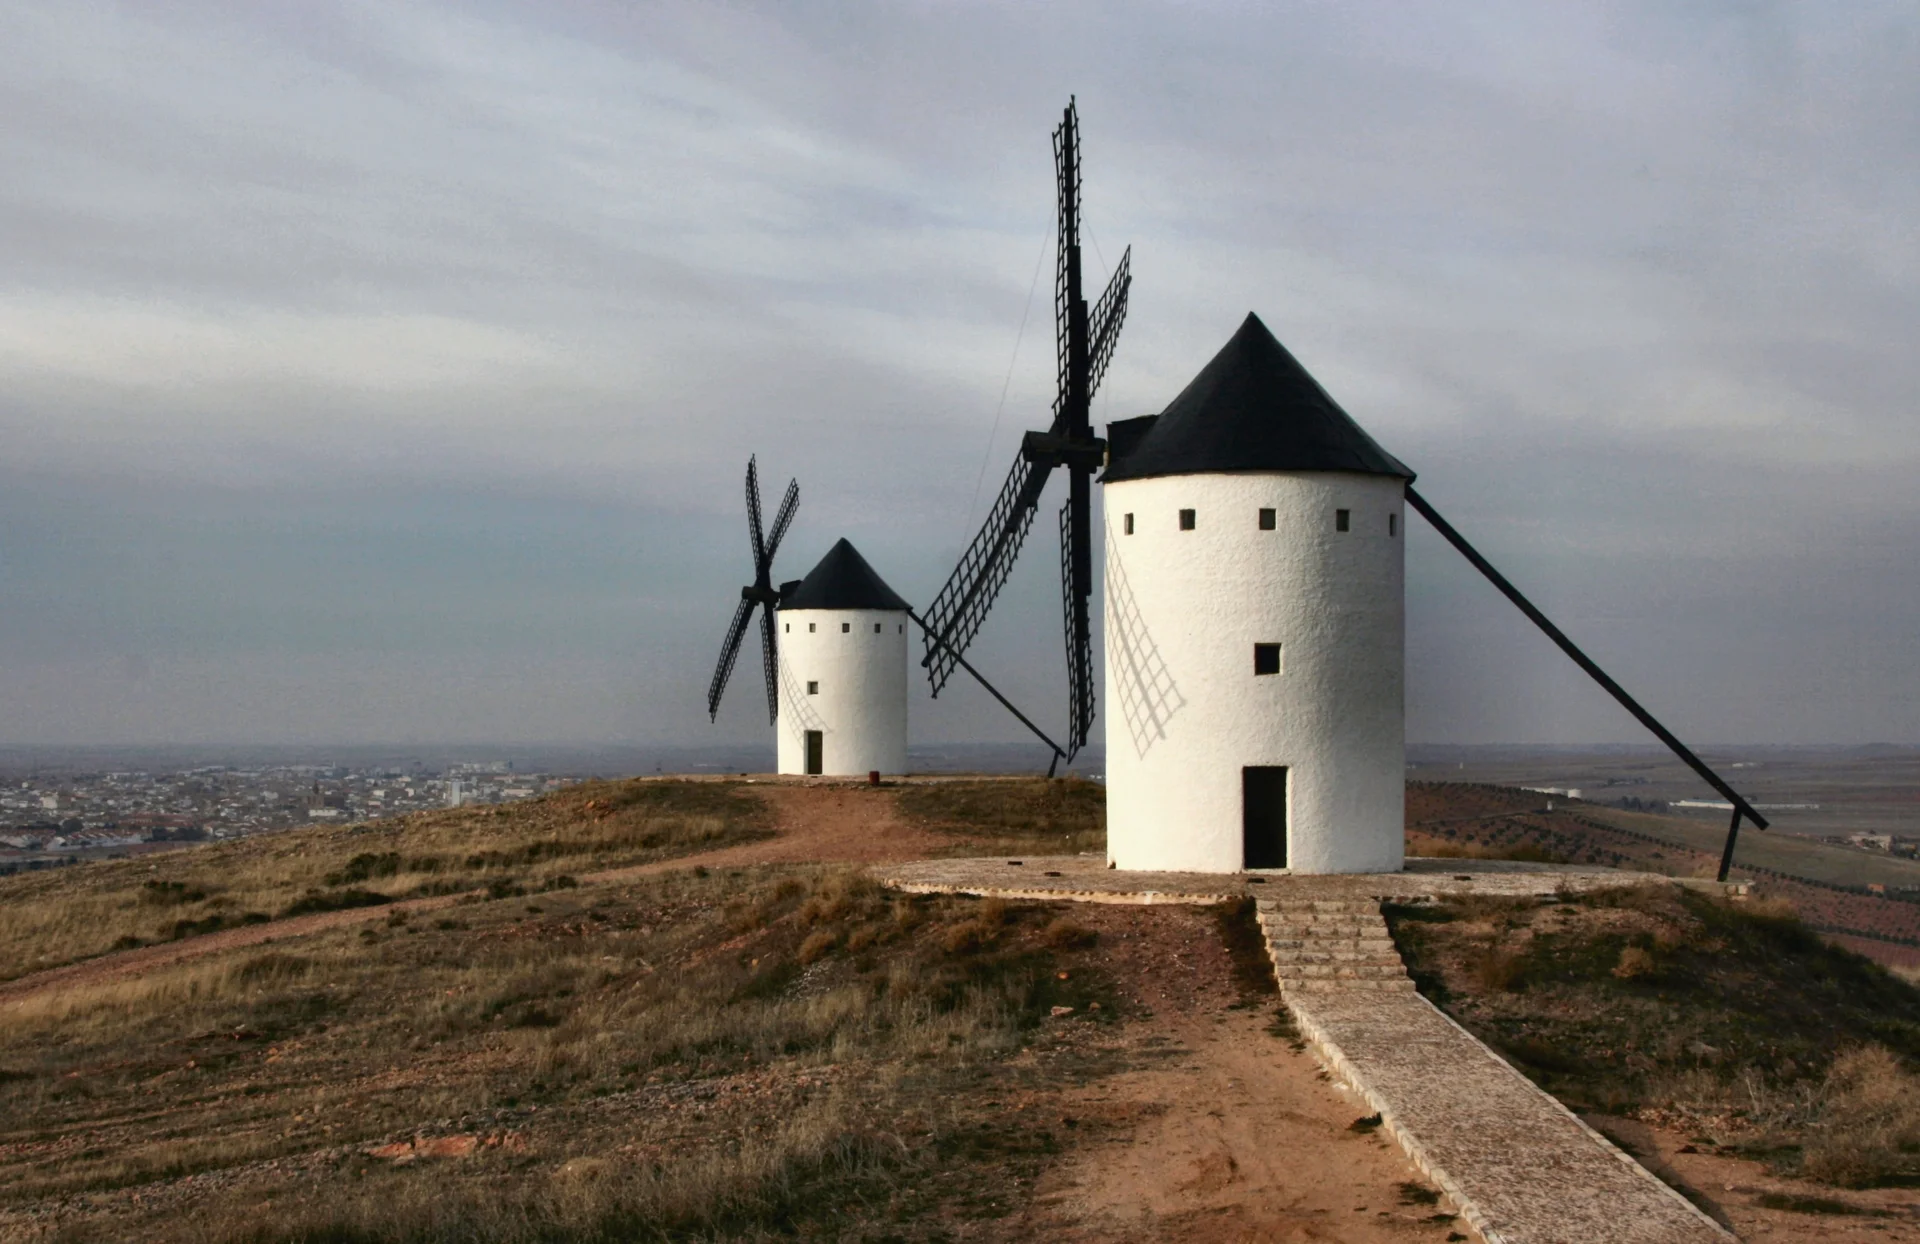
1085	344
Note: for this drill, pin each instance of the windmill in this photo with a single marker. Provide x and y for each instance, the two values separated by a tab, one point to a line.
1259	528
1086	341
761	594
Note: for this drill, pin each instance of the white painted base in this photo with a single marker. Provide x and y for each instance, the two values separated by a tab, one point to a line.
860	702
1185	710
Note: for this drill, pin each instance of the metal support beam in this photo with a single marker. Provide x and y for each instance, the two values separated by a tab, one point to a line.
1741	808
1005	703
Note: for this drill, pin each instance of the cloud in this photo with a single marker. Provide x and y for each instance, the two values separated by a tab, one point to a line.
382	337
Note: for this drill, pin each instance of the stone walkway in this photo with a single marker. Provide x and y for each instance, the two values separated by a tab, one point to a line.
1519	1166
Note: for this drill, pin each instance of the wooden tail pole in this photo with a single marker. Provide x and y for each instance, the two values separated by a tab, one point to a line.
1733	832
1741	808
1005	703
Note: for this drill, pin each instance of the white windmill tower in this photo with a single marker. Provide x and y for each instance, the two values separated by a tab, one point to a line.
843	670
1255	628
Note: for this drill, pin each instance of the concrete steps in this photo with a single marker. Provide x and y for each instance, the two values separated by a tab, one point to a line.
1331	944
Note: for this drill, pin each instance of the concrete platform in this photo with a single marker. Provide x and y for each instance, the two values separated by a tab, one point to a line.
1087	879
1518	1166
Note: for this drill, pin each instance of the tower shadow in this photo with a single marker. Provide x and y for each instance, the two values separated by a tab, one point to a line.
803	716
1148	695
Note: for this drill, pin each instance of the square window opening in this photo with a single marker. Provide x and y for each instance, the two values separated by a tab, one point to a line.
846	628
1343	520
813	688
810	628
876	628
1268	520
1266	659
789	628
1186	520
1126	525
1393	525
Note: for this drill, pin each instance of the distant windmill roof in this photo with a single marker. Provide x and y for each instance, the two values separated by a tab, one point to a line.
1253	408
842	580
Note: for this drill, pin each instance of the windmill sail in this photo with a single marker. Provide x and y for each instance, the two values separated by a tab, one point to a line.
760	594
1085	344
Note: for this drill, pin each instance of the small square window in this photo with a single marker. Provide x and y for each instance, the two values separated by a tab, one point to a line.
1186	520
1393	525
903	628
1268	520
846	628
810	628
813	688
1343	520
1126	525
789	628
1266	658
876	628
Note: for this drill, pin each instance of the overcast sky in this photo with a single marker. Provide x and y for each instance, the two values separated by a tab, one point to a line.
387	372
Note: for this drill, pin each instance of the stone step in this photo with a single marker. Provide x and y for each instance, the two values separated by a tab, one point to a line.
1352	971
1317	932
1370	945
1332	954
1317	917
1286	959
1365	906
1307	915
1325	984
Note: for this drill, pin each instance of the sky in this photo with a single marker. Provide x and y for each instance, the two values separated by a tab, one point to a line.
387	372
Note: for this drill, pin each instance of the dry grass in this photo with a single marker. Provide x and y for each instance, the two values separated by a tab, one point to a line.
1731	1019
1866	1129
59	916
699	1055
1037	816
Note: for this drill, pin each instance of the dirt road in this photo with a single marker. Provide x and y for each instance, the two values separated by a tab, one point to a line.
1225	1131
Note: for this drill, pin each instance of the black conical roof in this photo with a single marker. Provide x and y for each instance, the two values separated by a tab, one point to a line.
842	580
1253	408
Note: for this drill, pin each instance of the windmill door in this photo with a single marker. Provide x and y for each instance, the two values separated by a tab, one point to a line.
816	747
1263	816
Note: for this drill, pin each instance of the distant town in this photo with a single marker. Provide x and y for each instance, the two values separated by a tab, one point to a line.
47	821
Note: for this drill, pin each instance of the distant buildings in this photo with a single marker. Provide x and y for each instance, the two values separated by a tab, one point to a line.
120	811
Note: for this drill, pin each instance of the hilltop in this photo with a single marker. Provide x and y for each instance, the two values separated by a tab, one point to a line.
673	1009
655	1010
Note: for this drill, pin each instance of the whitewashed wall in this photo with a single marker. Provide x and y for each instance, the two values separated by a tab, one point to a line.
1184	709
861	707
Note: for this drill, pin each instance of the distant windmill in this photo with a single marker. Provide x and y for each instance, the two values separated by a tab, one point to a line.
760	593
1086	343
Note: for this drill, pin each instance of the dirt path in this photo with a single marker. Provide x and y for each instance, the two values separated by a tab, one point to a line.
1760	1206
812	824
146	958
1227	1132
